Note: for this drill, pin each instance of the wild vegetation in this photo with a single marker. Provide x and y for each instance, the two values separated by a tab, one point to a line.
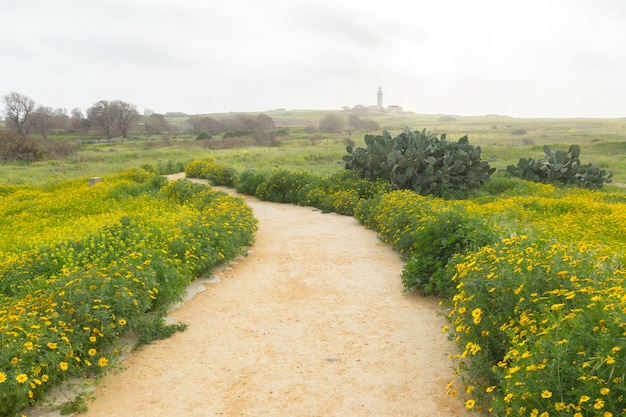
531	274
80	266
421	162
560	167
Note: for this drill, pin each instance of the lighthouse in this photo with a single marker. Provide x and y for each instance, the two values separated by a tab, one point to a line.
379	98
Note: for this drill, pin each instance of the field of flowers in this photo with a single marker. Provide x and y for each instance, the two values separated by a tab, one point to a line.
539	314
80	266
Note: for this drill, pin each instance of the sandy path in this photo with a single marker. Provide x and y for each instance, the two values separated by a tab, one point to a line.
313	322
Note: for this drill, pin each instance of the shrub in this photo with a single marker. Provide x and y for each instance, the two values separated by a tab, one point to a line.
169	167
286	186
204	136
451	233
236	134
560	167
332	123
340	193
216	173
518	132
396	215
249	180
58	148
540	324
421	162
14	147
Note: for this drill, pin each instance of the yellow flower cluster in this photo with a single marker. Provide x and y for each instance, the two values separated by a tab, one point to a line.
79	265
539	314
548	306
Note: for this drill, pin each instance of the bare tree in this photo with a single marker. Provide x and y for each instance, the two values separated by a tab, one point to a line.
18	110
79	122
247	122
126	116
61	119
206	124
363	124
102	115
332	123
113	117
265	122
43	120
156	124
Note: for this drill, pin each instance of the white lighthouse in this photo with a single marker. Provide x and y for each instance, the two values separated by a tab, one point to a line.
379	98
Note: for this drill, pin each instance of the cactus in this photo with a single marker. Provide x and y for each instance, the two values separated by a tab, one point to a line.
420	161
560	167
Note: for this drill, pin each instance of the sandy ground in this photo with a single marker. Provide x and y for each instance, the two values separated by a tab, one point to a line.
313	322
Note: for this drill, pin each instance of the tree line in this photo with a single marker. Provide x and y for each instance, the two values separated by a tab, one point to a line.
24	117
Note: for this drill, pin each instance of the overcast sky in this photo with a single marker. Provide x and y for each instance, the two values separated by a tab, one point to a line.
531	58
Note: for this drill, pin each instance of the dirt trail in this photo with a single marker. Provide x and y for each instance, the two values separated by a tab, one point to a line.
313	322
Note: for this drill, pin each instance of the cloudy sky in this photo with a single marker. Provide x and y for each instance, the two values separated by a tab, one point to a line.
531	58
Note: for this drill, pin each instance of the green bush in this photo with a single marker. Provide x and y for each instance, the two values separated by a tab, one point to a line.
541	326
169	167
204	136
435	243
14	147
343	192
236	134
396	216
421	162
339	193
249	180
286	186
216	173
560	167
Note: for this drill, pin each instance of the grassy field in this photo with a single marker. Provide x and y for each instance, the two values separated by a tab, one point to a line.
602	141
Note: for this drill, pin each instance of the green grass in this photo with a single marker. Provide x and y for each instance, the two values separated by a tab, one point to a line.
602	142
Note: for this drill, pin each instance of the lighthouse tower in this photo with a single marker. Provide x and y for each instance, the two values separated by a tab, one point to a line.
379	98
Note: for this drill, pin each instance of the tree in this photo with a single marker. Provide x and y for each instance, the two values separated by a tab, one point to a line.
113	117
265	122
363	124
126	116
61	119
332	123
102	116
196	124
18	110
78	122
206	124
246	122
43	121
155	124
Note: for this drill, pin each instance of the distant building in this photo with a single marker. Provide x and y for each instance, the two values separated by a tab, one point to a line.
378	107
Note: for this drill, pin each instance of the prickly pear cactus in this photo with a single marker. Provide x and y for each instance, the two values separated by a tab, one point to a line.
560	167
420	161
